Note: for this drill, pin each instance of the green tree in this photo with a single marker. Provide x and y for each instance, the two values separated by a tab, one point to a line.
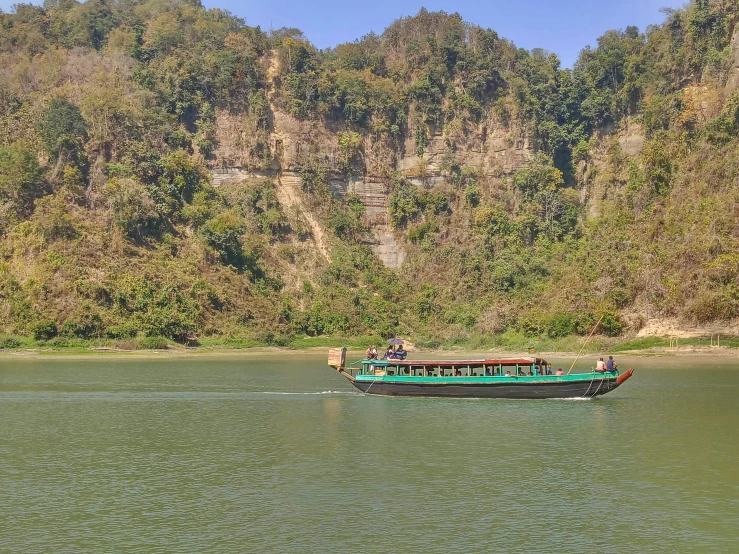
131	206
539	176
20	182
63	130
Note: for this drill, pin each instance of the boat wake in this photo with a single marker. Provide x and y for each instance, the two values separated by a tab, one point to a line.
575	399
291	393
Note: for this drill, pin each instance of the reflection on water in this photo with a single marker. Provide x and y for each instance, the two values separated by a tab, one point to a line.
279	454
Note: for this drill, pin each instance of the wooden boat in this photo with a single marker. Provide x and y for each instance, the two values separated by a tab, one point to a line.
482	378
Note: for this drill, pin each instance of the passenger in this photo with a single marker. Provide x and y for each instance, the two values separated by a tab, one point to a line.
559	371
400	354
368	354
549	369
458	373
600	367
610	364
375	355
389	353
530	374
508	374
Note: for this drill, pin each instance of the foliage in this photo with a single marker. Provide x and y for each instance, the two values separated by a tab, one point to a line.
63	130
44	330
20	182
113	113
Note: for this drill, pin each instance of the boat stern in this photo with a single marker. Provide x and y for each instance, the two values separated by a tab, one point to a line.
337	358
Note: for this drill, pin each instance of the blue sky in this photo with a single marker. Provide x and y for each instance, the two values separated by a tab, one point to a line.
561	26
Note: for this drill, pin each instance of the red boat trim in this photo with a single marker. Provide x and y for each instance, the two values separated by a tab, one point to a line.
624	376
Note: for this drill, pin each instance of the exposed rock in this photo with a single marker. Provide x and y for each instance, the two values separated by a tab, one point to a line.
245	152
632	139
289	197
234	175
679	329
733	82
387	248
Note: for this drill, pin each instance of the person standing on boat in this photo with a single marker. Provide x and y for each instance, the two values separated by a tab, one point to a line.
549	369
611	364
600	367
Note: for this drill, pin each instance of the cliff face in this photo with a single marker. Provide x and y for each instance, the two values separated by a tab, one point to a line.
494	150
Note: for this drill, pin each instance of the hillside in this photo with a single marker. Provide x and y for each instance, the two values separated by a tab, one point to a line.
168	171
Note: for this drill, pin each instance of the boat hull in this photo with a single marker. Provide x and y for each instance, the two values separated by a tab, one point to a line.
515	389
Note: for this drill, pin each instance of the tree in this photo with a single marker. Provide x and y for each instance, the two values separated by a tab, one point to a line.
540	175
63	131
20	182
131	206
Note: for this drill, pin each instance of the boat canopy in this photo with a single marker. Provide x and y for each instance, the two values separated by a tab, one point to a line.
448	368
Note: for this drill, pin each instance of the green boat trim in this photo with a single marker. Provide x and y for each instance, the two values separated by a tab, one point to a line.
487	379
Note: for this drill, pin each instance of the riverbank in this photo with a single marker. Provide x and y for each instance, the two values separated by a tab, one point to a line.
568	347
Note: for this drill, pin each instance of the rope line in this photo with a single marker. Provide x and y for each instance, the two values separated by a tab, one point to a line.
585	344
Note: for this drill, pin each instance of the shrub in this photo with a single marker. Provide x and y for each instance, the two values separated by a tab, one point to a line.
561	325
132	207
44	330
611	324
123	331
9	343
152	343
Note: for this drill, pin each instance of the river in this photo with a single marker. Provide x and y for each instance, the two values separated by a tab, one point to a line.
277	453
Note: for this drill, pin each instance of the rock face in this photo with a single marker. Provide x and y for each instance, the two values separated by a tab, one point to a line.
234	175
245	151
632	139
733	82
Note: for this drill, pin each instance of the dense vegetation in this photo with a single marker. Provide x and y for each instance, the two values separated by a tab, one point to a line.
111	111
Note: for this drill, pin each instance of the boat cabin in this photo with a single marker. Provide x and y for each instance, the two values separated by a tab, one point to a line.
451	368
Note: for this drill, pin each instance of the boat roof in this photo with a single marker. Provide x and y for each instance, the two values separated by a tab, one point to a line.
486	361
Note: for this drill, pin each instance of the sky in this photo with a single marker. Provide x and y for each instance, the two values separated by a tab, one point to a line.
561	26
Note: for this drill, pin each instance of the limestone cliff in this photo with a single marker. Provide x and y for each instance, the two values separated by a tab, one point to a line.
495	150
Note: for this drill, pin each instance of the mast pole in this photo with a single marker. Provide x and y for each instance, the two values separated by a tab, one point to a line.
585	344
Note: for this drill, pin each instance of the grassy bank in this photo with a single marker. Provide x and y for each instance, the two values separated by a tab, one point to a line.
506	342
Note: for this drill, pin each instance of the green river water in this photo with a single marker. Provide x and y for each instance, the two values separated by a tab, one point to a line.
277	453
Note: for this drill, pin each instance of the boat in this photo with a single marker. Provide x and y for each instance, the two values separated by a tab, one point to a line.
481	378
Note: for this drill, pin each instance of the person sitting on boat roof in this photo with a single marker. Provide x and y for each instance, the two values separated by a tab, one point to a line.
549	369
611	364
368	353
559	371
600	367
400	353
389	353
